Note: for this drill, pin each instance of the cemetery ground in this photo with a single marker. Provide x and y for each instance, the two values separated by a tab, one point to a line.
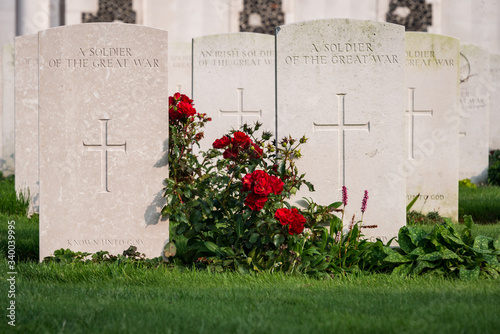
128	298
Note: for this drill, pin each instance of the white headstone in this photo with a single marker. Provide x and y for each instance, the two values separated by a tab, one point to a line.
233	82
474	114
26	124
103	115
432	122
179	68
495	102
340	83
8	149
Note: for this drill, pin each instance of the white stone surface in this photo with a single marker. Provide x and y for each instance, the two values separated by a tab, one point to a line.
8	149
472	21
233	82
432	122
7	21
179	68
187	19
474	115
26	119
495	102
341	84
103	115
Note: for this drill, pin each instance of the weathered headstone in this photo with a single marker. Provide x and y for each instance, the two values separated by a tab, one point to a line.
103	115
495	102
8	149
26	123
474	114
340	83
432	122
179	68
233	82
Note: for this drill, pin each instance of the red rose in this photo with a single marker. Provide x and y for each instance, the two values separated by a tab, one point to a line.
222	142
276	184
255	202
247	182
177	96
297	224
230	153
292	218
186	108
262	186
283	216
241	139
186	99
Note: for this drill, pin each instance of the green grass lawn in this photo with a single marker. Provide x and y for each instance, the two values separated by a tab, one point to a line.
109	299
113	298
483	204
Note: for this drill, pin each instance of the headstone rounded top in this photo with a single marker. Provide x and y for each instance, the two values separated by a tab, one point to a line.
233	35
99	25
434	36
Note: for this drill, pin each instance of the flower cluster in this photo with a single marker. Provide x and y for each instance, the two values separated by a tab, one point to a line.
261	185
180	107
292	218
240	142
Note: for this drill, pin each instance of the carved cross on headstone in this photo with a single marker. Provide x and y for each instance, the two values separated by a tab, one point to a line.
104	147
240	113
412	113
110	11
341	127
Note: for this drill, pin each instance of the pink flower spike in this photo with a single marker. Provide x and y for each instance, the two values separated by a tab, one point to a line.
338	236
344	195
363	203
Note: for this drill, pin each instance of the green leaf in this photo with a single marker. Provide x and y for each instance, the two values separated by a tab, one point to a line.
421	265
402	270
408	207
212	247
278	240
170	250
481	243
496	243
335	205
405	241
395	257
466	274
468	221
444	254
254	237
240	225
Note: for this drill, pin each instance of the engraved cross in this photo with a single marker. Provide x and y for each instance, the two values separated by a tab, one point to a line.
240	112
412	113
341	127
104	147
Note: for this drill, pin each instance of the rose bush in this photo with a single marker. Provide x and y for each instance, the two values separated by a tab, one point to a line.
229	205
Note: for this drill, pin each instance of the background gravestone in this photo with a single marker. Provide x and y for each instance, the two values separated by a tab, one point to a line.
474	114
495	102
233	82
8	149
103	114
340	83
179	68
431	80
26	124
